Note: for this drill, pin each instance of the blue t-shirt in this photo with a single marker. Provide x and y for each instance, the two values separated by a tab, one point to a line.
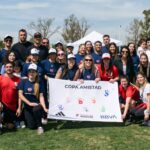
135	61
87	74
97	58
70	73
3	54
39	69
50	68
105	49
79	58
28	90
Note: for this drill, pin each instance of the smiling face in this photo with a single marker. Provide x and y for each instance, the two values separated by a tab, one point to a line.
71	63
124	53
32	74
88	62
124	83
9	68
98	47
112	49
82	50
11	57
143	60
140	79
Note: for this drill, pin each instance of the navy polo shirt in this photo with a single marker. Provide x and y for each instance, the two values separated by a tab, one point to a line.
97	58
50	68
87	74
28	90
39	69
79	58
3	54
105	49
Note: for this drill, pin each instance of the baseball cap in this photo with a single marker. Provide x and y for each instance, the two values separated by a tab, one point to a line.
37	35
106	55
52	50
34	51
32	67
70	56
70	45
58	42
8	36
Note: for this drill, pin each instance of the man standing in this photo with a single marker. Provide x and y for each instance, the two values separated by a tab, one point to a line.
45	42
21	47
9	101
7	43
38	45
106	41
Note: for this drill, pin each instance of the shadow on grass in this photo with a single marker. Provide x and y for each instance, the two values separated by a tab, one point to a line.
58	125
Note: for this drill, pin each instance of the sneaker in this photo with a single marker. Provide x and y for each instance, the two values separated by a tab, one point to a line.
22	124
40	130
145	123
44	121
148	123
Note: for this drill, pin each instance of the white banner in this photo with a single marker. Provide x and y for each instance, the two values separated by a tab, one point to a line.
90	101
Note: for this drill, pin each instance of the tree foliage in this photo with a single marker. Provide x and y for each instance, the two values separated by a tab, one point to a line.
74	28
145	24
44	26
134	31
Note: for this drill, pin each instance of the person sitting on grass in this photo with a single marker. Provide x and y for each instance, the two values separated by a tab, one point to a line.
31	93
143	110
128	96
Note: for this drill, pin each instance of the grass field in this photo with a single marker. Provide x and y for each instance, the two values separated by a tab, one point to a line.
79	136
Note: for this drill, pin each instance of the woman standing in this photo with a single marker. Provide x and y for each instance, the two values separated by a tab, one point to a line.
31	93
144	66
124	64
108	71
88	71
113	50
68	71
88	47
134	56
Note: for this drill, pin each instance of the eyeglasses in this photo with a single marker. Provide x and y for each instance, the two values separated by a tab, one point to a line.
61	54
8	40
88	59
125	52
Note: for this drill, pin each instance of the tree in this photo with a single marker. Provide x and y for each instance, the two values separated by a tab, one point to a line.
44	26
74	28
145	24
134	31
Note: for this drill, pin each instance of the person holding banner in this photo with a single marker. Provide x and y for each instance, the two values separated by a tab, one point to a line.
143	110
128	96
31	93
88	71
108	71
68	71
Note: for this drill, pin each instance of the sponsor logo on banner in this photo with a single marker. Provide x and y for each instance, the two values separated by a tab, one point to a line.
80	101
84	116
60	107
60	114
107	117
106	93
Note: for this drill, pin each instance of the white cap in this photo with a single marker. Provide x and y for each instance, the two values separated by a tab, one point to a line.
52	50
8	36
106	55
70	45
58	42
32	67
71	56
34	51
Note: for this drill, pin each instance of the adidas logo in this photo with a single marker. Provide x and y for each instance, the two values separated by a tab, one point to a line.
60	114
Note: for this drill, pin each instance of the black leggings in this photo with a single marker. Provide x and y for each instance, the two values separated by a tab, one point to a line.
33	116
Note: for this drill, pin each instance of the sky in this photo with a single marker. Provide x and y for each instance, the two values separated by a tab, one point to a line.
105	16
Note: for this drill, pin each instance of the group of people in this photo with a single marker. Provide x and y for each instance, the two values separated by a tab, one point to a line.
25	68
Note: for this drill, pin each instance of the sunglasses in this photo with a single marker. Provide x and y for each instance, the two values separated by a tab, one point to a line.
61	54
88	59
45	43
8	40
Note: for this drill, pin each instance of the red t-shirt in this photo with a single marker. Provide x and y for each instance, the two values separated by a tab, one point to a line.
107	75
8	91
131	91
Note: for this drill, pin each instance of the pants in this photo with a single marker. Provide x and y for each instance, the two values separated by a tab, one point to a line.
33	116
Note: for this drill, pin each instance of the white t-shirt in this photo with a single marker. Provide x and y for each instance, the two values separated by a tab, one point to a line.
144	91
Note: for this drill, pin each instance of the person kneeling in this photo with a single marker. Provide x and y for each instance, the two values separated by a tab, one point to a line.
129	96
31	93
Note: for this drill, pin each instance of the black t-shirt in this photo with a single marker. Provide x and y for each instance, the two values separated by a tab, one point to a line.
43	51
21	50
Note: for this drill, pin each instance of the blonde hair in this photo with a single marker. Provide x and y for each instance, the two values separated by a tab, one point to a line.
143	75
36	87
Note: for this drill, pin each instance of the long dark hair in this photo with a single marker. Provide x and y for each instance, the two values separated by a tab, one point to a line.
134	52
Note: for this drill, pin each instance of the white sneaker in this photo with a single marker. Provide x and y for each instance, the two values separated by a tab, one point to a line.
40	130
44	121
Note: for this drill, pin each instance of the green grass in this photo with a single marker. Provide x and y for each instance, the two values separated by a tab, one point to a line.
79	136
